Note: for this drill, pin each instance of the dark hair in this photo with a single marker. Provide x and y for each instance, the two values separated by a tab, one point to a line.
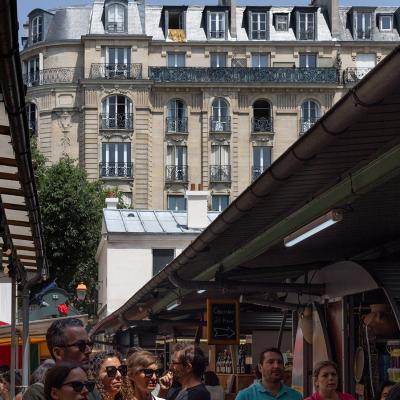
381	388
56	376
39	374
269	350
97	360
18	380
3	368
322	364
191	354
55	333
394	393
211	378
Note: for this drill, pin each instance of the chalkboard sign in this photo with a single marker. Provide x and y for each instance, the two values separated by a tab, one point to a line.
223	321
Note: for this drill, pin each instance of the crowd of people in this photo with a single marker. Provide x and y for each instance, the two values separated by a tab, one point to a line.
74	373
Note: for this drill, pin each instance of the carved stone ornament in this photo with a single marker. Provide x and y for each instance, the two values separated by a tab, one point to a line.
116	90
262	140
64	122
106	136
174	138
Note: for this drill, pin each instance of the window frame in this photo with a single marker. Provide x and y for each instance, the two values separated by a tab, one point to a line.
122	155
108	23
259	55
175	56
278	23
307	16
218	57
221	21
259	22
308	56
381	17
175	196
37	29
363	15
32	115
166	256
220	206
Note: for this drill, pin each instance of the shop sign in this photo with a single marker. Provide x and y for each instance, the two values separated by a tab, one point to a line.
223	325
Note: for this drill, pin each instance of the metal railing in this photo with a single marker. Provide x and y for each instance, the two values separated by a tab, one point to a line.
115	27
53	75
220	124
257	171
307	123
307	34
176	173
217	34
220	173
262	124
116	71
116	169
116	121
353	75
244	74
177	125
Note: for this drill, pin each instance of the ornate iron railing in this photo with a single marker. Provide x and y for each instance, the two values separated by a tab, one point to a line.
53	75
220	173
177	125
238	74
176	173
115	27
257	171
306	34
220	124
116	71
307	123
116	121
116	169
262	124
353	75
217	34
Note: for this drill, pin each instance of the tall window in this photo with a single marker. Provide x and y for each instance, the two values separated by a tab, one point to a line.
363	25
261	160
37	29
118	62
310	113
176	202
161	258
116	18
32	71
176	59
220	121
258	26
176	164
306	26
308	60
218	60
219	202
282	22
220	170
117	113
260	60
262	118
216	25
176	120
31	112
116	160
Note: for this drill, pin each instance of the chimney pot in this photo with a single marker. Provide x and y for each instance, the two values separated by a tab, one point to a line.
111	202
192	186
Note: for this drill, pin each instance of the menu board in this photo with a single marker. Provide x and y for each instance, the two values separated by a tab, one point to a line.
223	325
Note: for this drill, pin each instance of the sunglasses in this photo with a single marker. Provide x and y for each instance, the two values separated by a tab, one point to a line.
77	386
112	371
82	345
148	372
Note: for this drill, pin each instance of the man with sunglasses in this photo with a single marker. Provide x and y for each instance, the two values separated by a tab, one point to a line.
67	341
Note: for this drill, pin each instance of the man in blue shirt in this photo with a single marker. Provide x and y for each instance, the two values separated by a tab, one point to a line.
270	387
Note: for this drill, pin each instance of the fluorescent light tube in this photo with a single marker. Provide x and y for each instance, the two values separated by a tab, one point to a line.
321	223
200	291
173	305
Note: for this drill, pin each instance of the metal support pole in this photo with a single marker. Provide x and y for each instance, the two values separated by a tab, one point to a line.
281	329
14	342
25	336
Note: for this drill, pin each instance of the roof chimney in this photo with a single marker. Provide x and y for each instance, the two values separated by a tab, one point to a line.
232	12
111	202
197	209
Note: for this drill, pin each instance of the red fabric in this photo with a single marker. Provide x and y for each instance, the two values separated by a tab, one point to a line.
342	396
63	309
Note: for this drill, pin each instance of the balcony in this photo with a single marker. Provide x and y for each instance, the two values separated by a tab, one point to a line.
244	74
220	34
262	124
53	75
306	34
115	27
116	71
116	169
116	121
220	173
353	75
220	124
177	125
257	171
176	174
307	123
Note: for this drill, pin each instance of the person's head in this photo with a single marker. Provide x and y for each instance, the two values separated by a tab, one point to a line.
133	350
68	341
270	365
187	360
143	371
394	392
384	390
211	378
67	381
108	371
39	373
326	376
6	380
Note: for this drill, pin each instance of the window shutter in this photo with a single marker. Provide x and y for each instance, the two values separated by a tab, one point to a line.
250	25
208	24
166	17
226	24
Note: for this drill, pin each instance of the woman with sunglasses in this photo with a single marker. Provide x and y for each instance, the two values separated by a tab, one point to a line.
108	371
143	374
67	381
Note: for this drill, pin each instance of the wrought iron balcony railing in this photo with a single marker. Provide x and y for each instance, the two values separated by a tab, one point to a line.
307	123
53	75
116	169
115	27
220	124
257	171
353	75
244	74
116	71
364	34
176	173
306	34
116	121
220	173
177	125
262	124
217	34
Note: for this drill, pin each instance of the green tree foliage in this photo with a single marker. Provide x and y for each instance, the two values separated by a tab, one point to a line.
71	208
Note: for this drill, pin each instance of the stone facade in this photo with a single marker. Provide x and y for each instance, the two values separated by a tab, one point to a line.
152	99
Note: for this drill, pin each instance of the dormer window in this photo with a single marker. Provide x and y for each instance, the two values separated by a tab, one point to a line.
385	23
363	25
258	25
116	18
175	23
217	25
281	22
37	29
306	26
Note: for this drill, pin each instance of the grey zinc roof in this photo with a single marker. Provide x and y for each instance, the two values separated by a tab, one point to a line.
148	221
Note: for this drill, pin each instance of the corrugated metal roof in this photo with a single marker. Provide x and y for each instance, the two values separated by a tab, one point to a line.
149	221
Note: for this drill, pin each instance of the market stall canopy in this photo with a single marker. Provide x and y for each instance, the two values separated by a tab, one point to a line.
348	162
